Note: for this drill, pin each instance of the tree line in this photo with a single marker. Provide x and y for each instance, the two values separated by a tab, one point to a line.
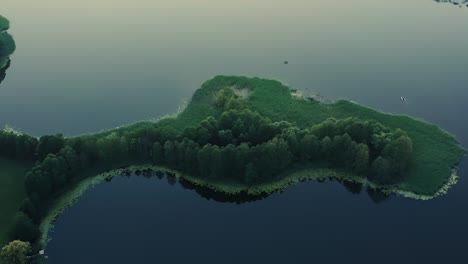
239	145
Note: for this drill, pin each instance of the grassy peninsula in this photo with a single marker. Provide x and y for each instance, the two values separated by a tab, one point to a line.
236	135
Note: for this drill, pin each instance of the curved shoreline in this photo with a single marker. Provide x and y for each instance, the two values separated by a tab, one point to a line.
69	198
437	150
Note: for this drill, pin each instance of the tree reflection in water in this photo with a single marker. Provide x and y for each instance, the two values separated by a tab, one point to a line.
376	195
243	197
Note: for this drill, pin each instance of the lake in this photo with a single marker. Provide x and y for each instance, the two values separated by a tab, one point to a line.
85	66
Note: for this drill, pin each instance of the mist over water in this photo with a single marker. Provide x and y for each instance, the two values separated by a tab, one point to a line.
110	63
84	66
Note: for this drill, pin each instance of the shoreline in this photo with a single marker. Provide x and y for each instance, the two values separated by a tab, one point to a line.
289	177
69	198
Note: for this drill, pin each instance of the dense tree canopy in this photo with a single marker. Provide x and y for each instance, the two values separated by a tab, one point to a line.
23	228
240	145
237	145
16	252
16	145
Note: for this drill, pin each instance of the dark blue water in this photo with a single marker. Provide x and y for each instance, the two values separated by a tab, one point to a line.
147	220
83	66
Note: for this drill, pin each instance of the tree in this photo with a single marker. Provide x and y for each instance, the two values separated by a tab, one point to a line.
211	125
203	136
381	170
180	148
87	150
29	208
251	174
39	182
251	135
113	147
290	136
23	228
57	168
225	136
339	148
169	152
204	161
242	154
223	96
25	147
72	160
263	160
216	165
282	155
16	252
227	118
326	147
157	153
234	103
228	155
15	145
361	158
50	144
399	153
309	147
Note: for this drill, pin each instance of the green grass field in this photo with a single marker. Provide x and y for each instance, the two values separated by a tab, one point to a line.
11	192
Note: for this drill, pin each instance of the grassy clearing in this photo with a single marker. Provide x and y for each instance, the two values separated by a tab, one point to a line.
11	192
435	151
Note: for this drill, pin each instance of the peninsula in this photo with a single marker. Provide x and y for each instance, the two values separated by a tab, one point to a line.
237	135
242	134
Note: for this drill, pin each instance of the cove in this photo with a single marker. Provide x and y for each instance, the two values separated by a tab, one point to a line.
137	219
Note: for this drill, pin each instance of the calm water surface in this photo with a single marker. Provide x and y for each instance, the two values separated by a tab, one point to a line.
84	66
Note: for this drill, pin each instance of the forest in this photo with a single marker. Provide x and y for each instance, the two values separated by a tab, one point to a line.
240	145
236	133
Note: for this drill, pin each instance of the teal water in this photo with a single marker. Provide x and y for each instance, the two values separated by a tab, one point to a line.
95	64
83	67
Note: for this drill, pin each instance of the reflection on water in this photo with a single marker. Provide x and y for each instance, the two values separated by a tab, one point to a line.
352	187
376	195
243	197
459	3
